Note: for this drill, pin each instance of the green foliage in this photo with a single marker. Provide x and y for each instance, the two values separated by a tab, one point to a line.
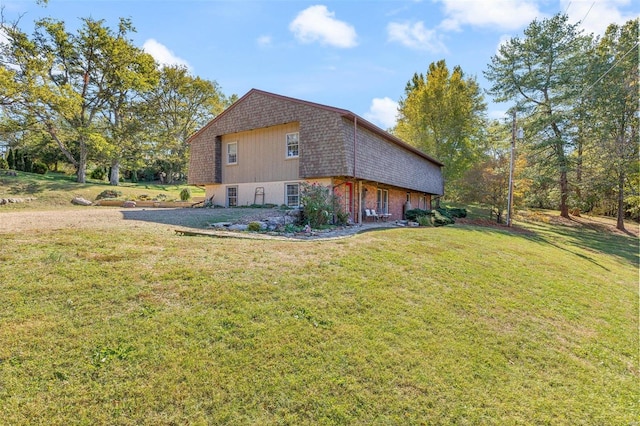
254	227
442	217
318	204
543	74
442	114
99	173
185	194
109	193
426	220
39	168
4	164
413	214
11	159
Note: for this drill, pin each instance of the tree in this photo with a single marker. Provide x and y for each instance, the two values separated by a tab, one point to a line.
128	74
442	114
64	80
613	97
542	74
176	108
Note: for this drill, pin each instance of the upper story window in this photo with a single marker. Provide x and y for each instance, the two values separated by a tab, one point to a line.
293	145
232	153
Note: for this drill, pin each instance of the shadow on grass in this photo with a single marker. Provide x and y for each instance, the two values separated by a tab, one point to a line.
567	238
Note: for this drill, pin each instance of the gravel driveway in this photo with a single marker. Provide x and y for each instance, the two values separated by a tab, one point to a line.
104	218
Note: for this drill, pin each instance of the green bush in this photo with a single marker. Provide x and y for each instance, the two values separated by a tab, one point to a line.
441	218
185	194
457	212
4	164
424	220
39	168
317	204
414	214
254	226
99	173
109	193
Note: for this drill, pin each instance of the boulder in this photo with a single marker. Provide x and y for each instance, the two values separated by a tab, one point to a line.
79	201
129	204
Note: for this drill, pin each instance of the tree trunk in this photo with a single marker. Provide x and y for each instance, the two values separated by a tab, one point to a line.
82	164
564	194
114	177
620	215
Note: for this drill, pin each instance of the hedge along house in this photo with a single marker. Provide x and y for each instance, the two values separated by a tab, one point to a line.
261	148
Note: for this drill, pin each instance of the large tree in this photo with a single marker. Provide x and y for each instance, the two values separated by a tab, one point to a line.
543	74
613	100
66	81
176	108
443	114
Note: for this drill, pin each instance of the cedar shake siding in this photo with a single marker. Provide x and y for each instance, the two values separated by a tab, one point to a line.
328	139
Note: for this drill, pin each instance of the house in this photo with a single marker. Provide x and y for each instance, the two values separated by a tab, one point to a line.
263	146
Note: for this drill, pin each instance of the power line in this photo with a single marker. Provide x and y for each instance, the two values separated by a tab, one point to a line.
610	68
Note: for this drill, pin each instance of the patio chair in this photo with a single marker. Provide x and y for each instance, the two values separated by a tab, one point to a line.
371	214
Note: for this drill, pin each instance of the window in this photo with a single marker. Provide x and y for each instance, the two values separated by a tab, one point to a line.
232	196
292	145
292	198
382	201
232	153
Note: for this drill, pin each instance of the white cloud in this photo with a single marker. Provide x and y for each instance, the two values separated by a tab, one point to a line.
316	23
499	14
264	41
596	16
162	54
415	36
383	112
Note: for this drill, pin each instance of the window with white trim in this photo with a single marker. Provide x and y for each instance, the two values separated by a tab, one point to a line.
293	145
232	153
232	196
292	194
382	201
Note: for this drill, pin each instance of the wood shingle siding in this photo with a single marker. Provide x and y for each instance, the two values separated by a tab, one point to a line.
333	142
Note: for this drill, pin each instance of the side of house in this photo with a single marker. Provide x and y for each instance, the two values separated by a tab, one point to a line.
263	146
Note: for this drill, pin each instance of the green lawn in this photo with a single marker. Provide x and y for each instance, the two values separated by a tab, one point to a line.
57	189
453	325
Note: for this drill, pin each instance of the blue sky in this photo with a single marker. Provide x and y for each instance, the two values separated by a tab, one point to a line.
356	55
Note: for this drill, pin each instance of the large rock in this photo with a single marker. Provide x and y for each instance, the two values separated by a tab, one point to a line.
129	204
79	201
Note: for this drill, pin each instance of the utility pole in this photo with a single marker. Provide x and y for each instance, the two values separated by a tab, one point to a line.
514	133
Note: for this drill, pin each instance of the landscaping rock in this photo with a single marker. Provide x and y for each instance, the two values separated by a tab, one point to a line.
220	225
129	204
79	201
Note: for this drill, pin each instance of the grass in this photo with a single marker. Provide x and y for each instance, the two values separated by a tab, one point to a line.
453	325
55	190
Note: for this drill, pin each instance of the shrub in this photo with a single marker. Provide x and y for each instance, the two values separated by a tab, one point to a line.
254	226
342	217
99	173
457	212
39	168
424	220
185	194
414	214
317	204
4	164
441	219
109	193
